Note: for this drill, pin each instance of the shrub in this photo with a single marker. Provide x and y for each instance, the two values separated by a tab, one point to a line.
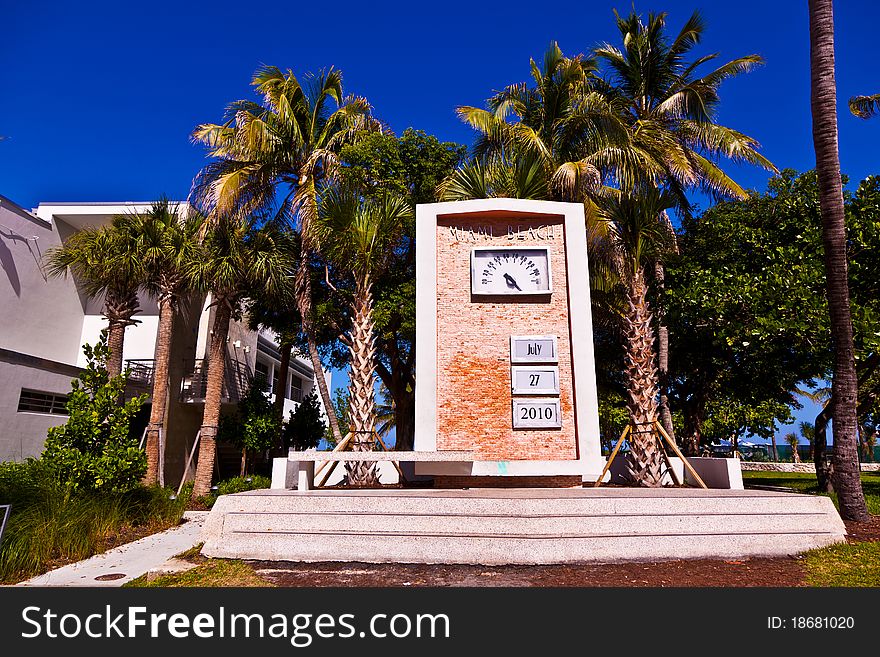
253	428
305	428
94	449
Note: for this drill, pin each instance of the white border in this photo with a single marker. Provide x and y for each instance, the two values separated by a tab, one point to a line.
590	461
540	293
534	391
534	361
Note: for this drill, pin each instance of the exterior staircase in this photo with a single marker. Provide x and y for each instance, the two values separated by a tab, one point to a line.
517	526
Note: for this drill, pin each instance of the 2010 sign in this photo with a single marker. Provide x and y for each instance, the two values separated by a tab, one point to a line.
536	414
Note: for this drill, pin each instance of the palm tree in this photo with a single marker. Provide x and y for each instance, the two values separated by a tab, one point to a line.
356	236
167	243
105	261
636	238
274	155
823	103
670	113
808	431
865	107
234	258
793	441
566	131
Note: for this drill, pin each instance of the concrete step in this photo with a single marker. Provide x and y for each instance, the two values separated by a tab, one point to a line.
504	526
563	503
517	526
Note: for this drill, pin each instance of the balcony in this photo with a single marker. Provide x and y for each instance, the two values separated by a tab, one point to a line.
194	385
140	372
237	379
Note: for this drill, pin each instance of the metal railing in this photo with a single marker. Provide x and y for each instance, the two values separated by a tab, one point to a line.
141	371
236	381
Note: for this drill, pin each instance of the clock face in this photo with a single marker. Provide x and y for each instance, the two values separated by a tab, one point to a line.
510	270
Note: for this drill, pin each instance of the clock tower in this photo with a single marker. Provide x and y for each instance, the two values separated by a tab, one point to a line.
504	346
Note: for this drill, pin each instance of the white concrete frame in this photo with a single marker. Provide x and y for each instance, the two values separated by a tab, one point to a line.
589	462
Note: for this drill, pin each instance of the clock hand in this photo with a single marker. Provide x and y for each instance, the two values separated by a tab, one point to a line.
511	282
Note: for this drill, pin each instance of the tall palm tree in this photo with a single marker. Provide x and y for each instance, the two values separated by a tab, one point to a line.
235	257
637	237
844	390
356	235
274	155
105	261
167	244
559	124
670	111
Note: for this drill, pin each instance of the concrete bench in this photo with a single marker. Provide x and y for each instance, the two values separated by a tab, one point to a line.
299	466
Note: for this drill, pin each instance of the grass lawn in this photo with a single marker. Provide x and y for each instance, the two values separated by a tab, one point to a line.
806	483
844	564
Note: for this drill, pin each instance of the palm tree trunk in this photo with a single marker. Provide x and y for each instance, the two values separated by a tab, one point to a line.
303	293
847	475
119	308
644	462
285	349
155	441
213	394
824	466
115	342
361	400
663	357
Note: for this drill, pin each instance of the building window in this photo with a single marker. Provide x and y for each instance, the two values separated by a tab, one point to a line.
261	374
296	393
33	401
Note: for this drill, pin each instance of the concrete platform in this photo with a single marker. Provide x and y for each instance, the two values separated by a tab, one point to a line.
517	526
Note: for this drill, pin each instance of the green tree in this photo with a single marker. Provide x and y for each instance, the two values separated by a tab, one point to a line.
357	234
274	155
340	410
105	261
746	299
253	427
823	106
234	258
96	449
305	427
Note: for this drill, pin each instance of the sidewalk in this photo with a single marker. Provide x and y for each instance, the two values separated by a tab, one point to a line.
126	562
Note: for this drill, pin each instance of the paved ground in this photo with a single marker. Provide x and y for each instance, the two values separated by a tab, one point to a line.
126	562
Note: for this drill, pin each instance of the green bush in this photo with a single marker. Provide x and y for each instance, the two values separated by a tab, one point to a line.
305	427
253	427
94	449
53	523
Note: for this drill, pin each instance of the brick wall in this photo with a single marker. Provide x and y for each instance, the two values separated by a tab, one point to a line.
473	340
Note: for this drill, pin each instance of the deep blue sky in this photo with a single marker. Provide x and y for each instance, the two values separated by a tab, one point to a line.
99	99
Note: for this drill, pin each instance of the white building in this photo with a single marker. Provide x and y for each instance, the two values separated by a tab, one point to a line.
45	322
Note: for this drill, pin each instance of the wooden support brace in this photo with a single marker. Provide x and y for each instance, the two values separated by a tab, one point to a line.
680	455
613	454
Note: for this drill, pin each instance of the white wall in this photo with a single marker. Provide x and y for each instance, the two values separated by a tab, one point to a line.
140	339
